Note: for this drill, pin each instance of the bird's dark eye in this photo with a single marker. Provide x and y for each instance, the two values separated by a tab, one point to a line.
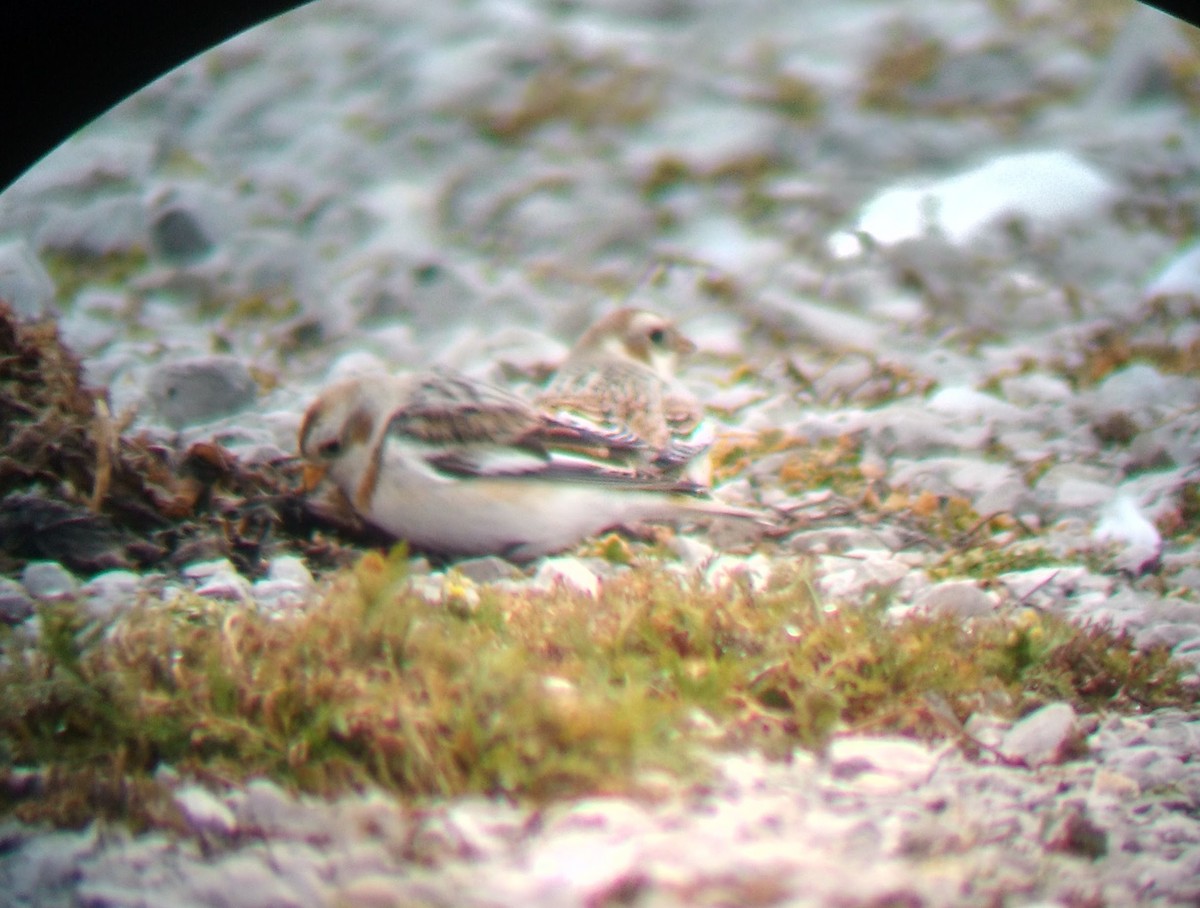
330	448
657	336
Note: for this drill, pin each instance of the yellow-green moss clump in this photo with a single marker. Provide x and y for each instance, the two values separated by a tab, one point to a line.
529	694
73	271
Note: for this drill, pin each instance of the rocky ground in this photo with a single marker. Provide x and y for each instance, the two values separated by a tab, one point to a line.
959	235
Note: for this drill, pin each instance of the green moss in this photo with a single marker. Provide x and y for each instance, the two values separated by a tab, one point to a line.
530	694
72	271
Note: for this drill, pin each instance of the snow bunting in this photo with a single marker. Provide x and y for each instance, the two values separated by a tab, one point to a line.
458	467
621	376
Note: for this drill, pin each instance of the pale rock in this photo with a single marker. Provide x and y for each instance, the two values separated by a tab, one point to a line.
15	603
290	568
725	242
487	569
724	571
374	890
821	323
999	485
1051	189
48	580
279	595
109	594
843	578
261	807
185	392
218	579
356	364
907	428
569	572
987	729
1180	276
227	585
1035	388
247	879
88	162
49	864
24	282
966	403
1135	391
1046	736
960	598
205	811
1148	765
1061	581
881	765
693	552
104	226
1165	635
707	138
1075	487
1137	541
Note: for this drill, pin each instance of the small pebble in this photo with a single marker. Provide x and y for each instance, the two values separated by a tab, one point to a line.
190	391
110	593
1047	735
205	811
48	580
15	602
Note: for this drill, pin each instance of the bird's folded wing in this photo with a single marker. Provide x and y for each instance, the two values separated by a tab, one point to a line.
445	407
515	462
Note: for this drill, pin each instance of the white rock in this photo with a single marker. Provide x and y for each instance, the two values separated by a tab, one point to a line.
15	603
961	598
290	568
569	572
967	476
1047	735
881	765
205	811
1180	276
821	323
1075	487
24	282
218	579
196	390
734	570
844	578
1138	541
1036	388
356	363
1048	188
278	595
48	580
198	570
706	137
967	403
110	593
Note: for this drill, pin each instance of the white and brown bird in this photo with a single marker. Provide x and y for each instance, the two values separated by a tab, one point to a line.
621	377
458	467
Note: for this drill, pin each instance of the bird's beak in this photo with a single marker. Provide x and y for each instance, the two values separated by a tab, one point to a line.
312	476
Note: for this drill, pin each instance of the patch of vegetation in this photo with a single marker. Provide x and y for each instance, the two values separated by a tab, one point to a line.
908	59
530	694
72	271
830	463
586	92
74	489
1110	347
